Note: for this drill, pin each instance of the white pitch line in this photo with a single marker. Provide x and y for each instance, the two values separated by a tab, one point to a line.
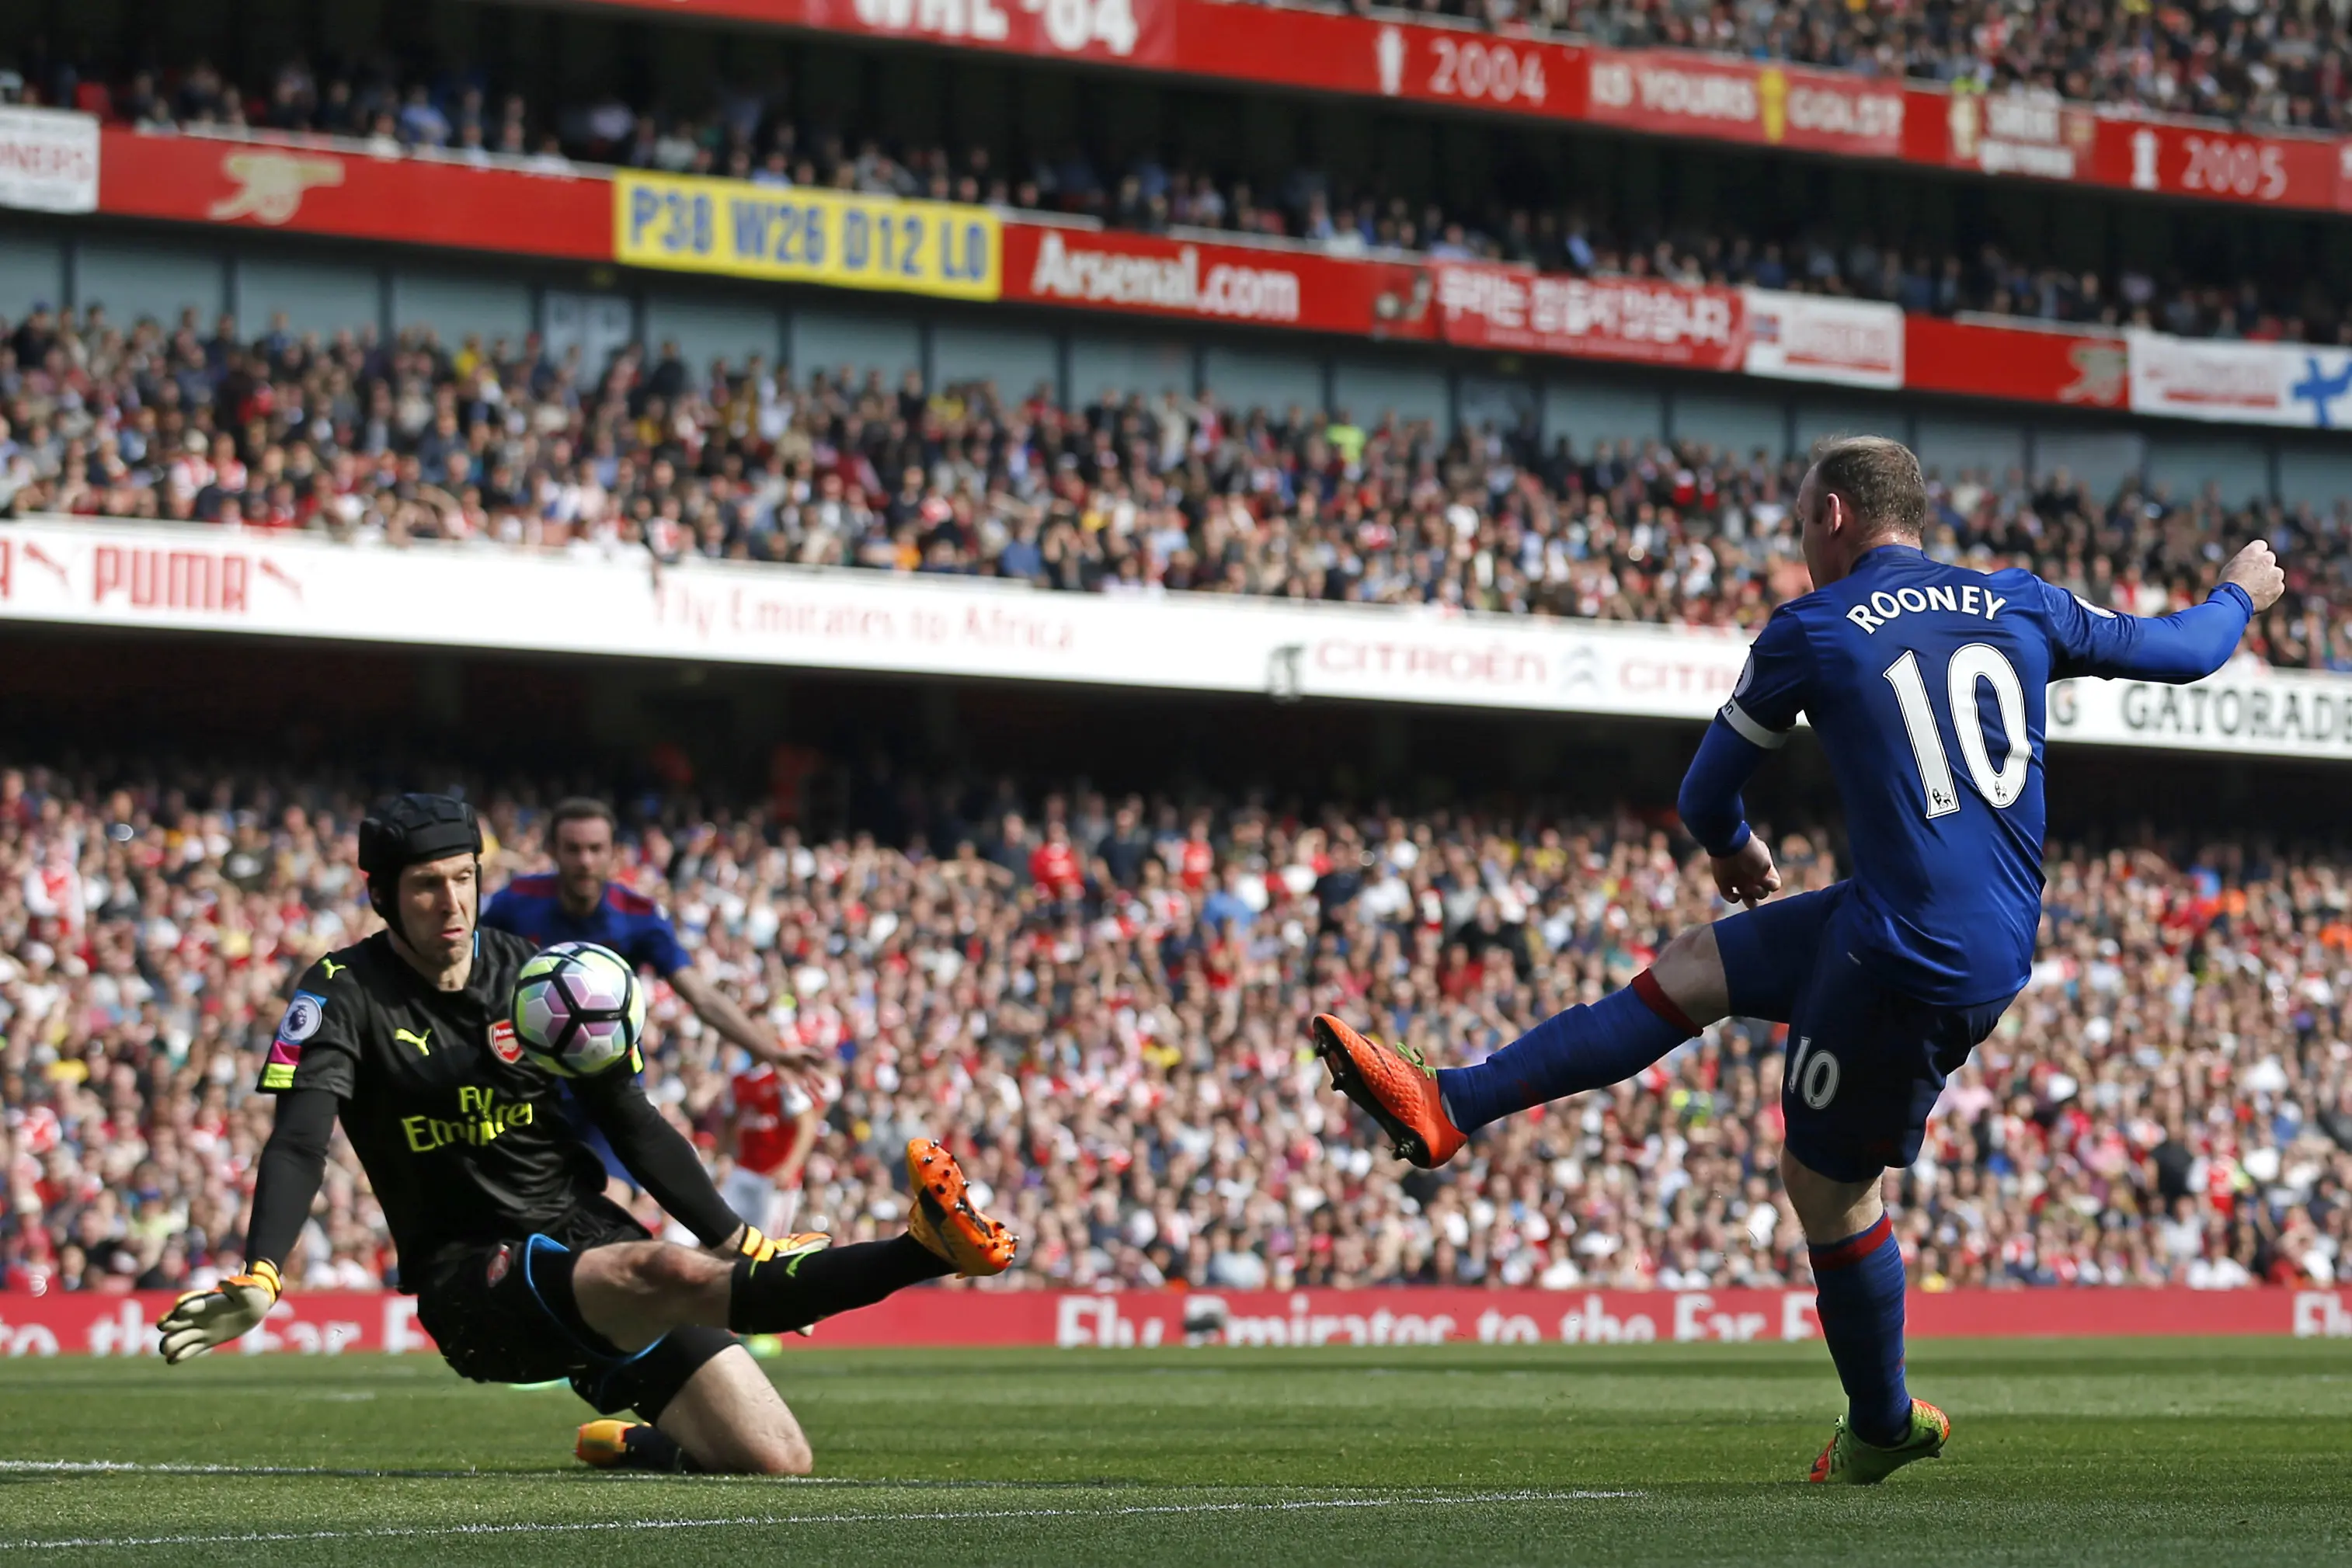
129	1467
603	1478
410	1533
134	1468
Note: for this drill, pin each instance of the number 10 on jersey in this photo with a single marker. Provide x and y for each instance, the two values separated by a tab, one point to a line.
1972	664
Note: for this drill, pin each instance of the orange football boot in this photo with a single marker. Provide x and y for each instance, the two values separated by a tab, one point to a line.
611	1445
1395	1087
943	1218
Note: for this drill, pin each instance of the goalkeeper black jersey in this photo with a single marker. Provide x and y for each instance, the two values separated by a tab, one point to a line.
463	1137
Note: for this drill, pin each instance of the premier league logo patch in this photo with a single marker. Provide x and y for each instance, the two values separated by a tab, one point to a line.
500	1261
503	1043
304	1015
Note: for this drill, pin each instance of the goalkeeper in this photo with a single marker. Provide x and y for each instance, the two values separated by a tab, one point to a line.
523	1271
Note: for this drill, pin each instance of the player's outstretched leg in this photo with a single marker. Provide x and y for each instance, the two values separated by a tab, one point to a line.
1428	1111
945	1235
633	1293
1858	1297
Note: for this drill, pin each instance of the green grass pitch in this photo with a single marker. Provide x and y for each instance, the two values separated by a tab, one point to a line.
2129	1452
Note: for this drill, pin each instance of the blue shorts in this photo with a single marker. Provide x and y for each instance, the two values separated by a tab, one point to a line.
1866	1063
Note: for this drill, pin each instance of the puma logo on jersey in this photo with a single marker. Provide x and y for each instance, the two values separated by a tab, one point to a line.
420	1038
1967	600
332	968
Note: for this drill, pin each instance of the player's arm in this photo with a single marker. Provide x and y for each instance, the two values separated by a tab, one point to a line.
1753	723
311	1066
2187	645
285	1180
804	1127
717	1009
662	1161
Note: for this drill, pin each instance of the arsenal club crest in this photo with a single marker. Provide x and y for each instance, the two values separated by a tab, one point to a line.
503	1043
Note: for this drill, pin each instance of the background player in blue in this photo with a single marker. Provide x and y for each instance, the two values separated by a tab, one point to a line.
1925	684
579	902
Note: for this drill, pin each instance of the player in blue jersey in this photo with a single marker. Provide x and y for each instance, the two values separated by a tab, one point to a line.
1925	684
579	902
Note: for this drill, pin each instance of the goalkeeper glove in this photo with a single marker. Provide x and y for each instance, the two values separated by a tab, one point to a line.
749	1241
201	1320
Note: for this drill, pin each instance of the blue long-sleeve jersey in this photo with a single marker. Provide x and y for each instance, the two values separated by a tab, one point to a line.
625	920
1927	685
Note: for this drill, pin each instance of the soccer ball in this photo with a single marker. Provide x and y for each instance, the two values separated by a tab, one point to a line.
578	1010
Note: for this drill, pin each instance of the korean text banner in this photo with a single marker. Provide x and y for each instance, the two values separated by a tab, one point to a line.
1490	307
794	235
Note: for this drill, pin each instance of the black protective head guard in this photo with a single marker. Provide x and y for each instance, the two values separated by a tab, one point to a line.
407	830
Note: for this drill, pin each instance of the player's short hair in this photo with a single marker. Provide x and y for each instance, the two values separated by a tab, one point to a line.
581	809
1879	478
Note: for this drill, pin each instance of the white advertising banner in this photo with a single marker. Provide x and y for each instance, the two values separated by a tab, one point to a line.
2247	708
1813	338
48	160
201	578
2241	384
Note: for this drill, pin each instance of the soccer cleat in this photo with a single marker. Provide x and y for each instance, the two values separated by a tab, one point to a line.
1396	1087
611	1445
944	1220
1850	1462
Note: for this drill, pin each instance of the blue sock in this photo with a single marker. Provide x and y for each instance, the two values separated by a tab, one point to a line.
1859	1281
1583	1048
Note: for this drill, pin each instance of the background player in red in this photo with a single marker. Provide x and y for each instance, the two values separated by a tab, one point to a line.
772	1124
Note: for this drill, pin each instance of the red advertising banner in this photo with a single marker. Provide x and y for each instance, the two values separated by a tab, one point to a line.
1334	53
1678	93
335	190
1136	32
2020	363
2217	164
2044	138
332	1323
1197	281
2040	137
1667	91
1116	32
1488	307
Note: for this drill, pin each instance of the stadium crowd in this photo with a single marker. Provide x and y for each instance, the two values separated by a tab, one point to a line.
1101	1003
386	441
752	135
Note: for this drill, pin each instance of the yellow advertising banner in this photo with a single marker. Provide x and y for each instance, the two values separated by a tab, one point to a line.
800	234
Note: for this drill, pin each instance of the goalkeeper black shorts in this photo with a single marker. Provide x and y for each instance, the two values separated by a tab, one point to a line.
502	1311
